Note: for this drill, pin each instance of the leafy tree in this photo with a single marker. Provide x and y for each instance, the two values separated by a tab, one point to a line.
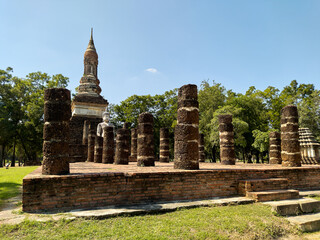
261	142
21	117
211	98
309	113
162	107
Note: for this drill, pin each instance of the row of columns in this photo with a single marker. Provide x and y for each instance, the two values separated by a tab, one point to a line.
188	142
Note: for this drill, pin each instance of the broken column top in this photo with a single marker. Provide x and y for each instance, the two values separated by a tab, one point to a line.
145	117
225	118
188	91
289	111
274	134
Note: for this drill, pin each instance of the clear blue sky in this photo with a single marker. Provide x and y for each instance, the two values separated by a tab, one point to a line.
150	46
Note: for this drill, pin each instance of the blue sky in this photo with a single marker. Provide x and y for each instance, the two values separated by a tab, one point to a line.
150	46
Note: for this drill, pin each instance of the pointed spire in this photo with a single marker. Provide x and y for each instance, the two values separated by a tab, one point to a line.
91	46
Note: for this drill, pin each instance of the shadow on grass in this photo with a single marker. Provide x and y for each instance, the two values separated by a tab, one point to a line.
9	190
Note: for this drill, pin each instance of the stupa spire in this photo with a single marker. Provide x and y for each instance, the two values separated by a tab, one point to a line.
91	46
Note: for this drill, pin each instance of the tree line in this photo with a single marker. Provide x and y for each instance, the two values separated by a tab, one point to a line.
255	114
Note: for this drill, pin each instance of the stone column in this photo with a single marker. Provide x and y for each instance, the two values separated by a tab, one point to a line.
164	145
134	133
108	145
56	131
98	148
122	146
290	148
91	143
85	132
85	136
226	134
186	149
145	141
202	156
274	148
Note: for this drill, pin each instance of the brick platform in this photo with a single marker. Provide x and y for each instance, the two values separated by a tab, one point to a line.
95	185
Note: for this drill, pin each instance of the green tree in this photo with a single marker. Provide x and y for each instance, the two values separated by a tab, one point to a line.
163	108
211	98
22	113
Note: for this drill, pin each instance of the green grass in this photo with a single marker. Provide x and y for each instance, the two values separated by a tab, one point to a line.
11	181
317	197
254	221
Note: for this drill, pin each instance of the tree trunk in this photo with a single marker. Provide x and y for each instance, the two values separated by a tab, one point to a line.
257	157
14	153
3	161
1	154
213	151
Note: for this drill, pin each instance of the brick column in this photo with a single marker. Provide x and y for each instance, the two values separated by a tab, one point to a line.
134	133
274	148
145	141
290	148
202	156
122	146
85	136
108	145
91	142
85	132
98	148
164	155
56	131
186	149
226	134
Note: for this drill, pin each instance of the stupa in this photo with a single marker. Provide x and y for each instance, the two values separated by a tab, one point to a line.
87	104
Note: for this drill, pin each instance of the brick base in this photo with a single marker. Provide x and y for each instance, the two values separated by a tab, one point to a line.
118	185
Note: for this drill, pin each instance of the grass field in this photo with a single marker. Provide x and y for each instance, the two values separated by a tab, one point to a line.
254	221
11	181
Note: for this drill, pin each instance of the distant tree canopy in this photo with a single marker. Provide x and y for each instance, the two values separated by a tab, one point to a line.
255	113
21	112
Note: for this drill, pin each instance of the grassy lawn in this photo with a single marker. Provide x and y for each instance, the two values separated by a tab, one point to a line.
317	197
11	181
253	221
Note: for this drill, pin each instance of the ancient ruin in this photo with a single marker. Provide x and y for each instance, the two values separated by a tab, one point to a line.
202	156
91	143
274	148
226	134
290	148
98	148
87	104
309	147
186	133
57	113
122	146
164	151
94	185
108	144
145	141
134	135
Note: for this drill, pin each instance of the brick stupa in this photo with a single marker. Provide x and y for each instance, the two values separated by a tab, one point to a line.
87	104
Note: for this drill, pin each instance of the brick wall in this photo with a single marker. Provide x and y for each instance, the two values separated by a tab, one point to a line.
103	189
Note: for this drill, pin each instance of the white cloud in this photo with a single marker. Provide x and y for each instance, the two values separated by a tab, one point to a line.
151	70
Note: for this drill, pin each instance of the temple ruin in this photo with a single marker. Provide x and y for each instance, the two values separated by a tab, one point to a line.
290	148
274	148
87	104
226	134
186	133
56	131
145	142
309	147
